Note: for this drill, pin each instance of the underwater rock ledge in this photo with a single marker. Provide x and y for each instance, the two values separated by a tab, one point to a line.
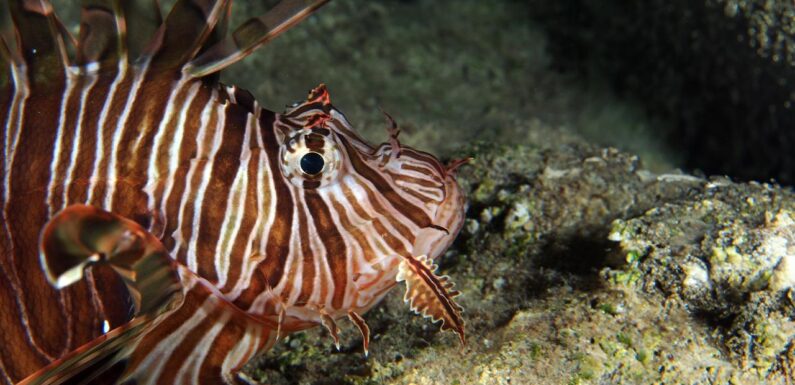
577	266
722	71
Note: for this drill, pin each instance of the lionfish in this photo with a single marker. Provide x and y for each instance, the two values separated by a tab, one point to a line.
159	227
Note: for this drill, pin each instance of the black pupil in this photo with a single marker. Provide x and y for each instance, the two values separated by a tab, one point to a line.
312	163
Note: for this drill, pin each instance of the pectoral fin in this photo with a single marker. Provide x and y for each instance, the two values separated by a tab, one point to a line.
431	295
99	361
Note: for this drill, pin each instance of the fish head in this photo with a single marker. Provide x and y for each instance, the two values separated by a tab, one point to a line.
386	203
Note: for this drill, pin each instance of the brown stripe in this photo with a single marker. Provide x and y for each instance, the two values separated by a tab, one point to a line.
256	286
95	100
404	231
145	151
225	341
30	173
277	247
68	136
146	113
239	258
117	105
355	231
15	354
308	259
416	215
194	299
177	355
200	162
353	200
334	243
380	230
187	151
423	157
225	166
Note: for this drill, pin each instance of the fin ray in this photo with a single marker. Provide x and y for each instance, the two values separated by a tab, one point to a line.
251	35
42	39
143	17
188	25
101	39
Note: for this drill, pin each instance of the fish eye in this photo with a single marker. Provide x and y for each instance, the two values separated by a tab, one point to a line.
312	163
311	160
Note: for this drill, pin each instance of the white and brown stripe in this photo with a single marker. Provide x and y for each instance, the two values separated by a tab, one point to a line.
202	167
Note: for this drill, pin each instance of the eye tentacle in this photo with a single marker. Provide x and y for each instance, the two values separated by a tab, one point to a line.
393	130
452	167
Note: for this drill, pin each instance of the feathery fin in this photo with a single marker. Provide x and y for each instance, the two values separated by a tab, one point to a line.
9	52
143	18
42	41
93	359
186	28
430	295
252	34
81	235
100	37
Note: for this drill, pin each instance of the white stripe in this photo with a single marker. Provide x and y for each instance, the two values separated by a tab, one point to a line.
153	176
263	216
189	370
13	128
293	264
155	361
363	198
110	181
59	136
173	153
235	205
99	154
76	141
12	134
242	351
351	246
205	181
201	138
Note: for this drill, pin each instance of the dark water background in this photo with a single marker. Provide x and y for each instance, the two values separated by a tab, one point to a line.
703	85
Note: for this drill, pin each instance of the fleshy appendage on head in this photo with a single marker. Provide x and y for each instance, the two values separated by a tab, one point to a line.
397	208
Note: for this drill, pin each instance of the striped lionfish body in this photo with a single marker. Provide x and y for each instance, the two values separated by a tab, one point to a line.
159	227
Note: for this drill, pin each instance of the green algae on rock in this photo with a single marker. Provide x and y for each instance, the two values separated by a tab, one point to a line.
728	254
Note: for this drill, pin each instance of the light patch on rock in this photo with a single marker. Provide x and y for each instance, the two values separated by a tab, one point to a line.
780	243
696	277
518	215
552	173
